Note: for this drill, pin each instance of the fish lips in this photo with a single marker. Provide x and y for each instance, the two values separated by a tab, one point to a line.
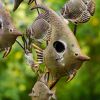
83	58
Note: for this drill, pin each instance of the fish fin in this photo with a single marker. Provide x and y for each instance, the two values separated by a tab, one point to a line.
37	48
44	78
52	84
16	4
39	28
71	75
30	2
48	35
33	94
7	51
39	52
85	17
39	57
42	7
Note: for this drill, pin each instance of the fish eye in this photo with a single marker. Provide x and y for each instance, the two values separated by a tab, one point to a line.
10	30
76	54
59	46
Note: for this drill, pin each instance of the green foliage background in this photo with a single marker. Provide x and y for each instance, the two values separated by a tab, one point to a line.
17	78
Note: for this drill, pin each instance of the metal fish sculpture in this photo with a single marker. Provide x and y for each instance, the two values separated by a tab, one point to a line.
62	56
40	91
8	32
78	11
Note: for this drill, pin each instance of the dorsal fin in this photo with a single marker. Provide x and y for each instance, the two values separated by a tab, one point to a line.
41	7
16	4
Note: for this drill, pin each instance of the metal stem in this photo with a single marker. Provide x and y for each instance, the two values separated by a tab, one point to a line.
75	29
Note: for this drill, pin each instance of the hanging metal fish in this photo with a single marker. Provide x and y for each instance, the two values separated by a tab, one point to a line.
40	91
62	56
8	32
78	11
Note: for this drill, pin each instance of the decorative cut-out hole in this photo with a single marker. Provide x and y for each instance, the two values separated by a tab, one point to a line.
59	46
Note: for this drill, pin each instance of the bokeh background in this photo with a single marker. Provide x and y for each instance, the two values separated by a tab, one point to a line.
17	78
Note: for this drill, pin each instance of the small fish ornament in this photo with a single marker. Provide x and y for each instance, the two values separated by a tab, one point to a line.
78	11
40	91
8	32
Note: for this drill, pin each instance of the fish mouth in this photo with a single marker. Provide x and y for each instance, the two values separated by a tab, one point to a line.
83	58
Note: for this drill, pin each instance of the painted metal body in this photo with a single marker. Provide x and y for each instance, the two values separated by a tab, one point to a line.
8	32
62	56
